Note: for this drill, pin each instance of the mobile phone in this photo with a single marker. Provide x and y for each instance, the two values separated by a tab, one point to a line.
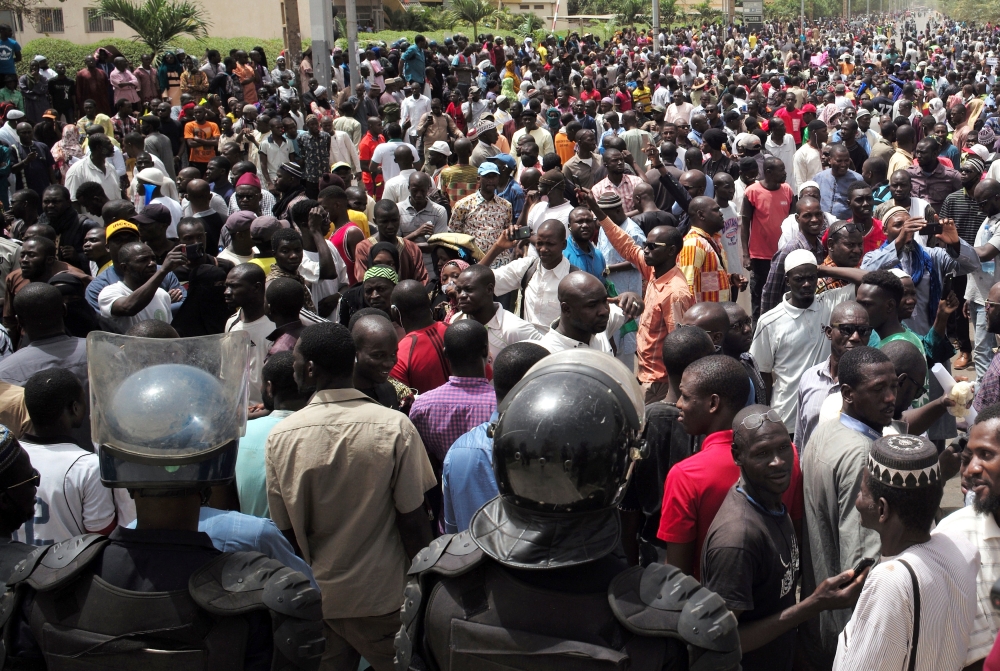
995	595
522	233
863	564
946	289
933	227
195	252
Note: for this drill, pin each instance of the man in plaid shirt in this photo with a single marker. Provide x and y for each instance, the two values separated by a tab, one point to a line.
465	401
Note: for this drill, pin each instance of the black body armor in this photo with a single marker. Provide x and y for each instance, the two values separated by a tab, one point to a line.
464	611
83	623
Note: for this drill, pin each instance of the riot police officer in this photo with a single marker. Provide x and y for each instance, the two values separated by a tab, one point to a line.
167	416
18	484
538	581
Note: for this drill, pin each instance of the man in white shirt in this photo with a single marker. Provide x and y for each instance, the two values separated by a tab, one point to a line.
95	168
275	150
808	161
781	145
978	524
385	154
473	108
397	188
918	605
537	277
138	296
245	292
586	319
342	148
412	109
420	217
475	288
70	500
788	339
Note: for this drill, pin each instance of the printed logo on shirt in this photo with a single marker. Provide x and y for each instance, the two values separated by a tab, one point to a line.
791	569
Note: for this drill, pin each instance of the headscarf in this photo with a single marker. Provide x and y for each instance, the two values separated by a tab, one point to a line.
974	109
380	247
507	89
453	298
827	114
510	72
384	272
69	146
104	121
161	72
937	110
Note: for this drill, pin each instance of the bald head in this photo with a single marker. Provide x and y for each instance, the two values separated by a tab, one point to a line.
199	190
576	285
744	437
372	329
410	298
694	181
847	311
583	306
710	317
403	157
553	227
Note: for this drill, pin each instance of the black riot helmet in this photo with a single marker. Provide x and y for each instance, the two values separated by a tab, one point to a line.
562	455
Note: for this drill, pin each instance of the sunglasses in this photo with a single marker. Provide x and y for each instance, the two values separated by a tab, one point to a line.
847	330
754	422
654	245
991	304
36	477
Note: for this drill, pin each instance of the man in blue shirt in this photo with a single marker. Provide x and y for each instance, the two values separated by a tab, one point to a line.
119	233
467	478
579	250
413	60
835	182
509	189
10	51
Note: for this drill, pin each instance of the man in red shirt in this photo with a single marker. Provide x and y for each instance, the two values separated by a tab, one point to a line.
792	118
713	390
766	203
366	148
420	359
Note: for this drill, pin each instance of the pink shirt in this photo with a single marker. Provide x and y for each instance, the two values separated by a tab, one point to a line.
770	209
126	86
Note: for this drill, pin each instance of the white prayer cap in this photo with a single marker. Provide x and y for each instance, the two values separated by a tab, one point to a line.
805	185
799	257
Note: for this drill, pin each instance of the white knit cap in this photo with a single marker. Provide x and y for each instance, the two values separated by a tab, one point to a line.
799	257
805	185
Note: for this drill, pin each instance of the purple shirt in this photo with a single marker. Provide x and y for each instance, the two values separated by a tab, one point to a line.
444	414
988	391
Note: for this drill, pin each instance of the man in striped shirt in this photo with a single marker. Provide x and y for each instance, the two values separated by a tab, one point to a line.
701	258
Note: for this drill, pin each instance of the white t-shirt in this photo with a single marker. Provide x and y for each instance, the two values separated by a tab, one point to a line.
259	344
71	499
309	269
175	213
731	239
383	155
158	308
541	211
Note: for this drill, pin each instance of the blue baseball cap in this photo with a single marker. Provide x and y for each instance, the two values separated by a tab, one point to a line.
488	168
506	159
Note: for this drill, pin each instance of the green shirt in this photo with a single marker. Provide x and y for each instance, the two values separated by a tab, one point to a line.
14	97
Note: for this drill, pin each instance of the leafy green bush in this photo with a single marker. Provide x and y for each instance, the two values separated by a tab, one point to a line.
63	51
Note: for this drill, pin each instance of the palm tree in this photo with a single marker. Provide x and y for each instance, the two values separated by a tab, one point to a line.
158	22
472	12
630	11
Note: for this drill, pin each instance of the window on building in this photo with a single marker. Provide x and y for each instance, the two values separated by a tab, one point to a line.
13	19
539	6
524	6
49	20
95	22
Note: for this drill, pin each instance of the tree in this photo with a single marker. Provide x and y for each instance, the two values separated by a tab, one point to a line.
630	12
472	12
707	15
668	12
158	22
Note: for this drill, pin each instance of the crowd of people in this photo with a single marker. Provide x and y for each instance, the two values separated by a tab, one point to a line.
787	238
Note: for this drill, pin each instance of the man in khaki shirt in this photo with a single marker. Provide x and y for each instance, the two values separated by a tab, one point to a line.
13	413
345	483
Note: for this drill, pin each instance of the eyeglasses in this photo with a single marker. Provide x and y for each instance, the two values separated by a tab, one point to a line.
654	245
921	389
36	477
744	323
991	304
847	330
754	422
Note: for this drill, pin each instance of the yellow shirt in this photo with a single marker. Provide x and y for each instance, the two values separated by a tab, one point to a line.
264	263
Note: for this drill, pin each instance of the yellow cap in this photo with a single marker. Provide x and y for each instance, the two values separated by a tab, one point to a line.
120	225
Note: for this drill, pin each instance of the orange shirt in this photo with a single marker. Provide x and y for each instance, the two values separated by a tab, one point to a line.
666	299
565	147
701	260
204	131
245	72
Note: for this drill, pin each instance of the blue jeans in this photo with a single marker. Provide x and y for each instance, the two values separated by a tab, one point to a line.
983	352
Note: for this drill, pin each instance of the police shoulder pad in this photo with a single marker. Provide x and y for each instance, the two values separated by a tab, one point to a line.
448	555
52	567
649	601
233	582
